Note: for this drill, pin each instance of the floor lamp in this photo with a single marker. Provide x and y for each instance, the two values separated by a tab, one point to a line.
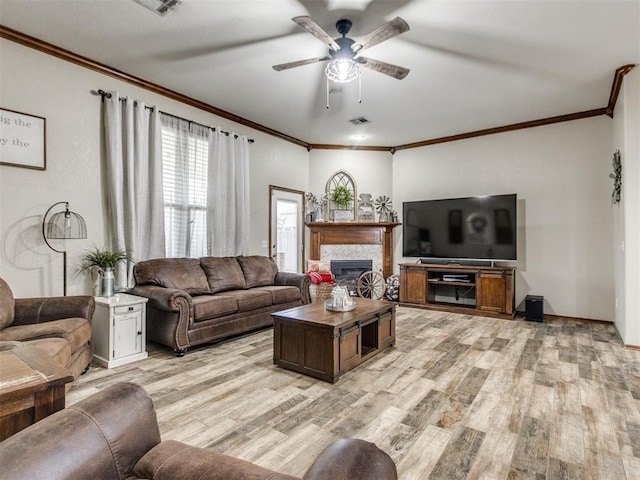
63	225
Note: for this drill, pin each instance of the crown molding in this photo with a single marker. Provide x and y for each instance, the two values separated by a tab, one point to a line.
615	87
67	55
506	128
50	49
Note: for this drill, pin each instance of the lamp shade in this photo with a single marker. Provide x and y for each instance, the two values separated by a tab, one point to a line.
66	224
63	225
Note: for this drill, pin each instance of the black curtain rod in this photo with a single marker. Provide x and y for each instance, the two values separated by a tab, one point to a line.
104	93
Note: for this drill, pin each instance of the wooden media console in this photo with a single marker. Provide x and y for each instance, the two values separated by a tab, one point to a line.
479	290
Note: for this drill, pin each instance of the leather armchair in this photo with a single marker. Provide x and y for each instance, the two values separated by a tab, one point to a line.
58	326
114	435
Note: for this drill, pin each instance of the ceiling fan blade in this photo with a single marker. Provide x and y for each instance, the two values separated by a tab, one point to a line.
388	69
389	30
314	29
299	63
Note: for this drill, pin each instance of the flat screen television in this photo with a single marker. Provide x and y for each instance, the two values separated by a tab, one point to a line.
472	228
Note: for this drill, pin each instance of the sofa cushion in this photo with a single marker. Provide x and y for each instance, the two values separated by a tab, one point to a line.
7	305
57	348
75	331
282	294
258	271
249	300
207	307
223	274
179	273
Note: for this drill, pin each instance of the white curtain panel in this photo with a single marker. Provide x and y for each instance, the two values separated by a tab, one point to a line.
135	216
228	194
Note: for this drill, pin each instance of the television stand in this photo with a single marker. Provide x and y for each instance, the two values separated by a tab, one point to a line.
476	289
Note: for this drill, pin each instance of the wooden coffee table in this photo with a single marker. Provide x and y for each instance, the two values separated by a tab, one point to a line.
32	386
325	344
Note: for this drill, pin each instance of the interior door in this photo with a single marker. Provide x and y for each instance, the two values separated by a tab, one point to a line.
286	236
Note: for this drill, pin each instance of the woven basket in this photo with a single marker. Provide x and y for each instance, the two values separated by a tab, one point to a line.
321	292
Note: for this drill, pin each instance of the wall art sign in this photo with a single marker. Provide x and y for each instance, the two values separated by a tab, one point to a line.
22	140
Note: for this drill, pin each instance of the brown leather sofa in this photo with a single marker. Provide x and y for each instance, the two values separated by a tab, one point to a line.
114	435
58	326
197	300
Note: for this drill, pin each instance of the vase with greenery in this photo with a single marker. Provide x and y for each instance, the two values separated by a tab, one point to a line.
103	262
310	207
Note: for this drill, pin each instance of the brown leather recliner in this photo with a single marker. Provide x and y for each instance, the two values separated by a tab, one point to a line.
58	326
114	435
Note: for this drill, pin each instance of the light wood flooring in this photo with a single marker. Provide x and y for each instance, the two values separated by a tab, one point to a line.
458	397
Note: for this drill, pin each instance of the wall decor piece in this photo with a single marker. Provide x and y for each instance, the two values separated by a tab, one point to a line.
617	177
384	206
22	140
366	212
341	192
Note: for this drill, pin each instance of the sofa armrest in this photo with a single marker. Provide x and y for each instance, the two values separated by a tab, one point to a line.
46	309
161	298
299	280
352	459
172	460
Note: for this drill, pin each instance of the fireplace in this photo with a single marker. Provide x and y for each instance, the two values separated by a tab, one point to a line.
348	271
373	240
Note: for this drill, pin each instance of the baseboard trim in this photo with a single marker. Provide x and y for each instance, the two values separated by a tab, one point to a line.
548	316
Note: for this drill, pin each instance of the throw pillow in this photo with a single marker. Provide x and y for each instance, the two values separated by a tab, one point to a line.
318	266
258	271
179	273
223	273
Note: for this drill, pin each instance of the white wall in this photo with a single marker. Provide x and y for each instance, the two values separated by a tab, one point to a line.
560	173
627	213
42	85
371	171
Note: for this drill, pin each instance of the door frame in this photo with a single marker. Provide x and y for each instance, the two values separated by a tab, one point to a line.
272	190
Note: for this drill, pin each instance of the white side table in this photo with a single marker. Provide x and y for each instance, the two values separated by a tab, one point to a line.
119	329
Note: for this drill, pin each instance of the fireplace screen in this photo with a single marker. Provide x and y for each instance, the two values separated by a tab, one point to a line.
348	271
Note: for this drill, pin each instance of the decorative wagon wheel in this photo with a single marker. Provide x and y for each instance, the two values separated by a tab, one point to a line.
371	285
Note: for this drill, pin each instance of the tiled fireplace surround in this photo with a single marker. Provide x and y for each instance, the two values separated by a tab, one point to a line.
354	241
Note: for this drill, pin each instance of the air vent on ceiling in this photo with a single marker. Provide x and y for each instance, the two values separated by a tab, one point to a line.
159	6
359	120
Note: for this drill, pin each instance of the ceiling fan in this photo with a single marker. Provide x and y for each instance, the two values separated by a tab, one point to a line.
344	53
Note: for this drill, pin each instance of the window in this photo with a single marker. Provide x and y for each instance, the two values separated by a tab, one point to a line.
185	151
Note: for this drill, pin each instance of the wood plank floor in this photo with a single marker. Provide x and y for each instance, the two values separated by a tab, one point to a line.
459	397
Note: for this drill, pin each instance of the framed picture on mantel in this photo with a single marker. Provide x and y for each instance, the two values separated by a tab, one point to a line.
22	140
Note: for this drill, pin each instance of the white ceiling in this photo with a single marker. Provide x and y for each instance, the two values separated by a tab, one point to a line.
474	64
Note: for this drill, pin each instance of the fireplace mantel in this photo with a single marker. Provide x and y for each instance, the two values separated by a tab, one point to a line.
355	233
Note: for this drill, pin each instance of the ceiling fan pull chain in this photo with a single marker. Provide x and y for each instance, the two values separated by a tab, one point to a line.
327	93
359	88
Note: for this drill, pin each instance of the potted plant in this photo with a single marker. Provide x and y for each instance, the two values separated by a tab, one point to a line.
341	196
103	261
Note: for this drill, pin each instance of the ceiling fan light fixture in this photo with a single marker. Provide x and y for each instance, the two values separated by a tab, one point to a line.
342	70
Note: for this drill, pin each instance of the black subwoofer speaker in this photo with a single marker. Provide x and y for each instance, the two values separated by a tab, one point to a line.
533	308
